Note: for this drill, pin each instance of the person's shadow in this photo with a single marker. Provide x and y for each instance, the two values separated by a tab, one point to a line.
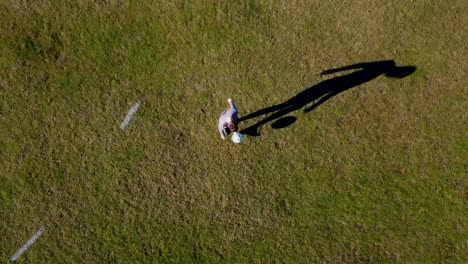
325	90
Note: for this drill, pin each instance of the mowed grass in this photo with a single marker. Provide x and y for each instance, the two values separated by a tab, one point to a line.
376	174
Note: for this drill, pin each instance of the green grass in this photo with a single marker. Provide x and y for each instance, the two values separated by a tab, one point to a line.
376	174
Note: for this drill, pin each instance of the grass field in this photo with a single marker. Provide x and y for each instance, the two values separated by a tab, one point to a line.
376	173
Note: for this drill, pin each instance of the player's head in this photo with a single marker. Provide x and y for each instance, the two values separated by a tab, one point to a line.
233	127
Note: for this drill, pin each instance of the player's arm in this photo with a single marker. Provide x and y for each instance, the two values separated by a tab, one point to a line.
221	132
232	104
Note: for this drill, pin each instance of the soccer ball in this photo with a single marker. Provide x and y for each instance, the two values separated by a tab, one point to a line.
237	137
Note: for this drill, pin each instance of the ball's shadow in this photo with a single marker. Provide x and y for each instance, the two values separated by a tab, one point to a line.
283	122
323	91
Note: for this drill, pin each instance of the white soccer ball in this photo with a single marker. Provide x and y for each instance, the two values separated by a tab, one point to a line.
237	137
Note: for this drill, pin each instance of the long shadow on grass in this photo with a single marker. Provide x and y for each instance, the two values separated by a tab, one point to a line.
323	91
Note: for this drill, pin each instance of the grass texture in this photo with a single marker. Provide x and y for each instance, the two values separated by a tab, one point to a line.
377	173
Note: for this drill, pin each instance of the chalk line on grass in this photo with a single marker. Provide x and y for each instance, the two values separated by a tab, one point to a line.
27	245
129	116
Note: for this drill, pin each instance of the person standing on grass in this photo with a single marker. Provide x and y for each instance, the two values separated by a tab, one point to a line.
228	120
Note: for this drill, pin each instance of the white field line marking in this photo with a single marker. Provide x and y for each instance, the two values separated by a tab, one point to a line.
129	116
27	245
